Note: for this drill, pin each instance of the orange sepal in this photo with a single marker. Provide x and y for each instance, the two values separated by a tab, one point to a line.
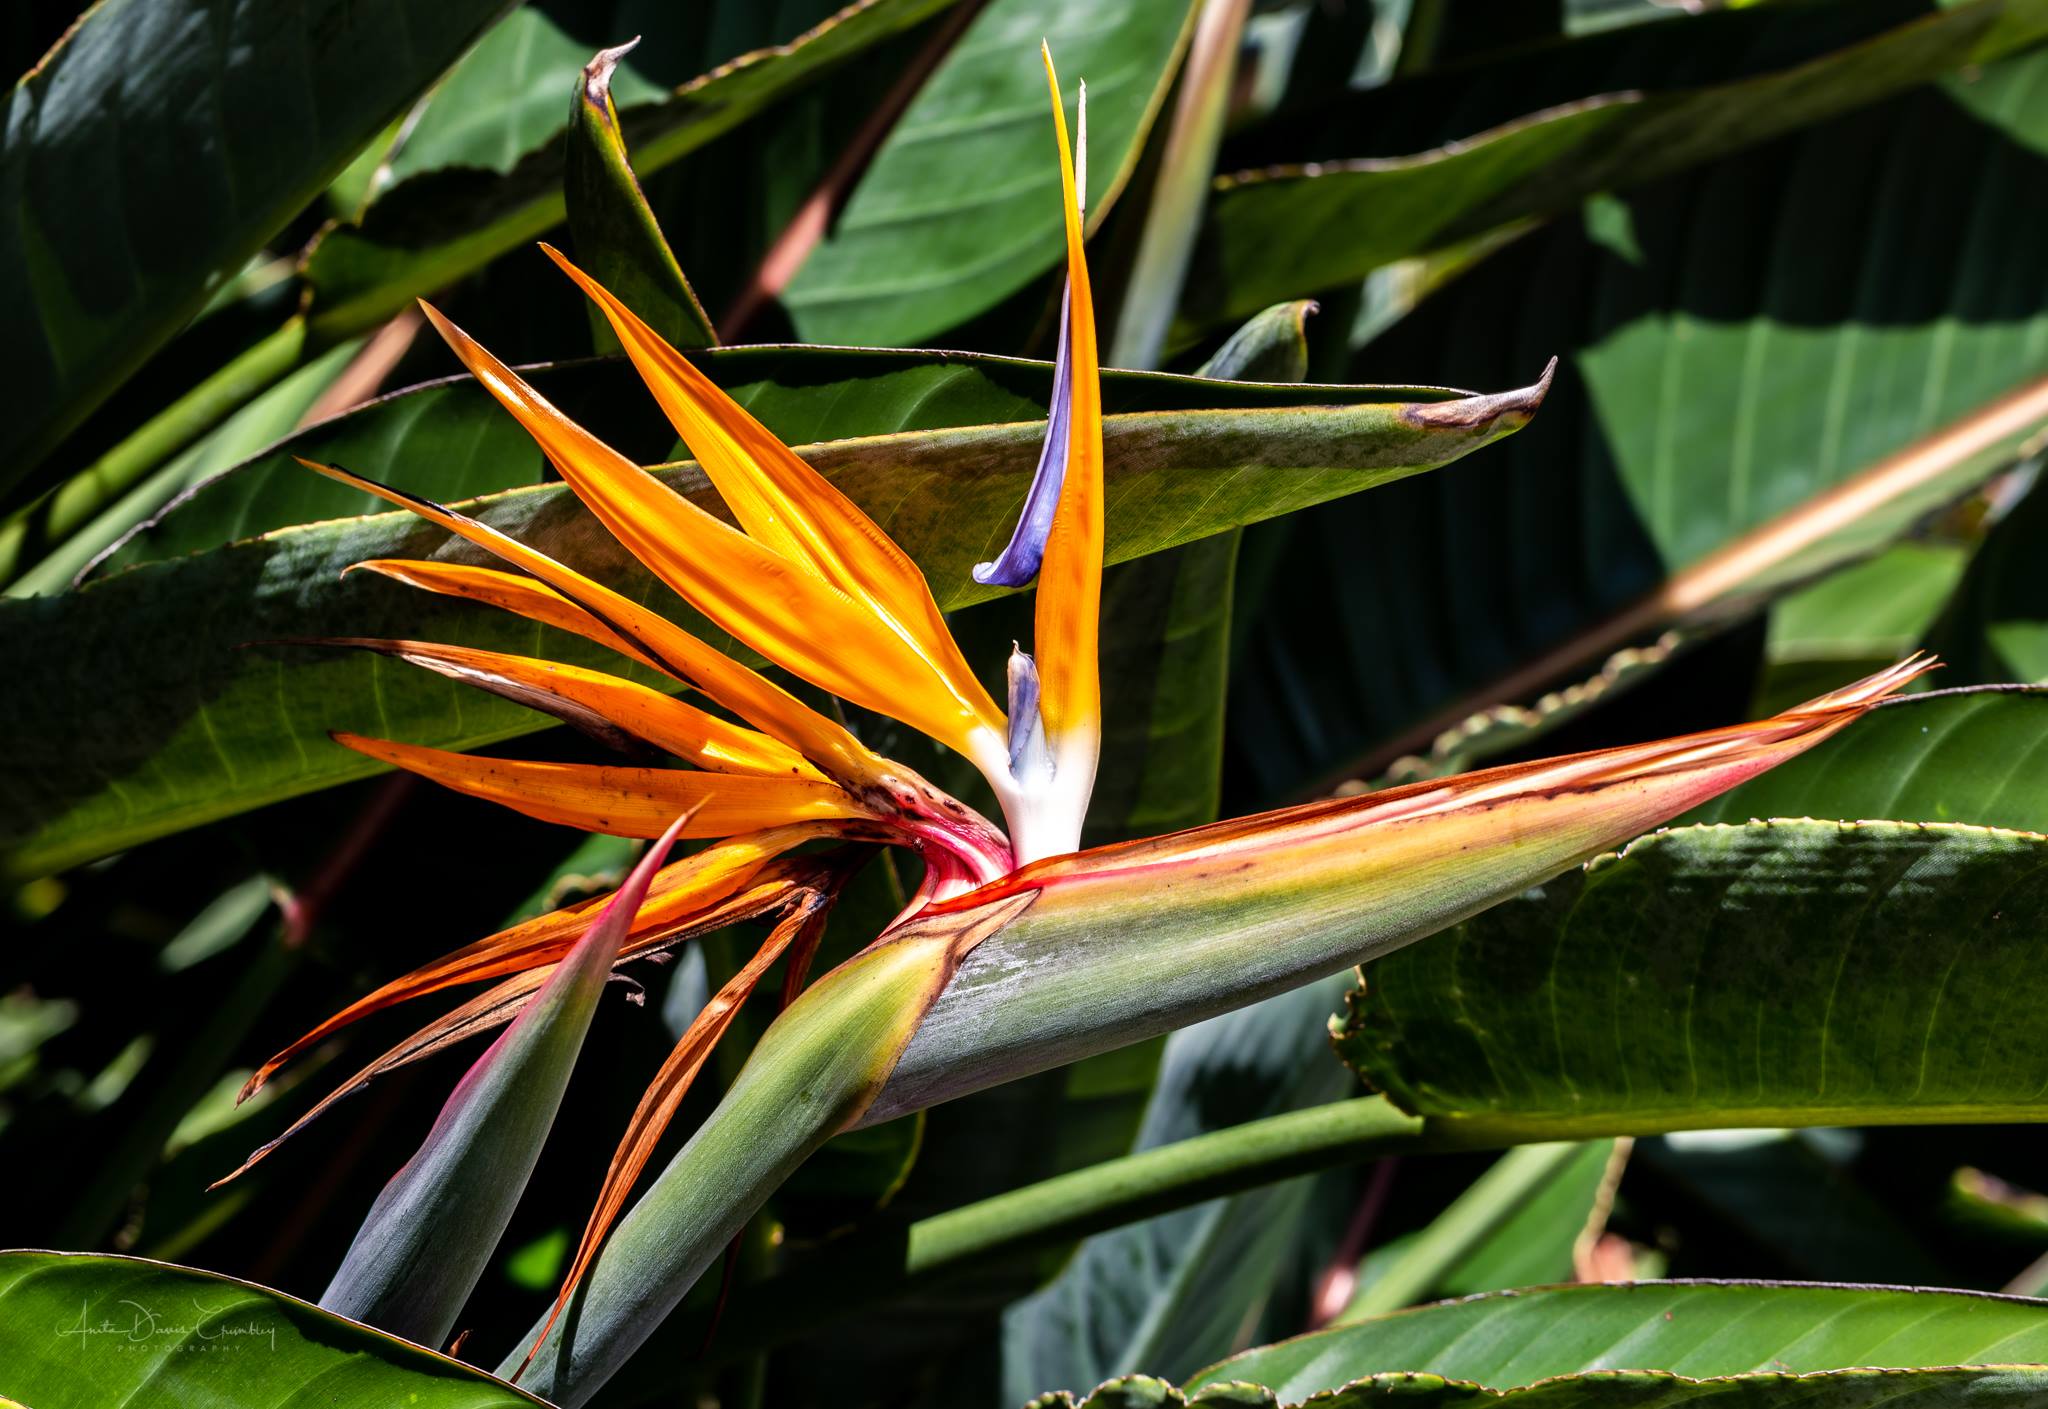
502	1003
787	506
1069	605
617	800
800	621
687	897
761	703
522	596
598	701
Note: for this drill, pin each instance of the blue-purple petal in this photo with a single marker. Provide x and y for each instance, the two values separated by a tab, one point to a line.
1019	562
1028	752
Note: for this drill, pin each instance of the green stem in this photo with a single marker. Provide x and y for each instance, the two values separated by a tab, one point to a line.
1155	1181
31	531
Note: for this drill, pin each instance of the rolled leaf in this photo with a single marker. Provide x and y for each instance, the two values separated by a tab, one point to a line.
430	1233
616	235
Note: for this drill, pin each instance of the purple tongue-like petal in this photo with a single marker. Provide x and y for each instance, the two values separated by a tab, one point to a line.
1029	756
1019	561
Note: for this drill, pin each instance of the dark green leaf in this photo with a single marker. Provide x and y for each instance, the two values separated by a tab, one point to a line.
156	149
1536	1241
1596	16
1879	607
431	230
1673	1329
1855	620
1272	346
1523	1215
268	418
83	1331
509	96
177	1075
1977	756
1172	1292
1773	1199
1165	641
960	207
1726	366
1289	230
1781	973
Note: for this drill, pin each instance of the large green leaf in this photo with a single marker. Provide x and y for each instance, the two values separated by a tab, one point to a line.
131	740
427	231
1698	1331
1321	220
83	1331
510	96
1978	756
1166	637
449	440
960	207
1781	973
1726	368
156	149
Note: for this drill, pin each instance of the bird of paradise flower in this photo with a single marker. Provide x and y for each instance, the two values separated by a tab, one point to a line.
812	584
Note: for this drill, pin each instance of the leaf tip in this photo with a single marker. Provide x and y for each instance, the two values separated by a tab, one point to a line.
597	74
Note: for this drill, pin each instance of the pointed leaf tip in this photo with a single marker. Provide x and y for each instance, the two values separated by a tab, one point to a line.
597	74
1502	411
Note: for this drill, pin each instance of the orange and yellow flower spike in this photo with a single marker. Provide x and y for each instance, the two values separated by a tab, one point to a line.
792	510
686	895
621	801
791	614
767	706
615	711
521	596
